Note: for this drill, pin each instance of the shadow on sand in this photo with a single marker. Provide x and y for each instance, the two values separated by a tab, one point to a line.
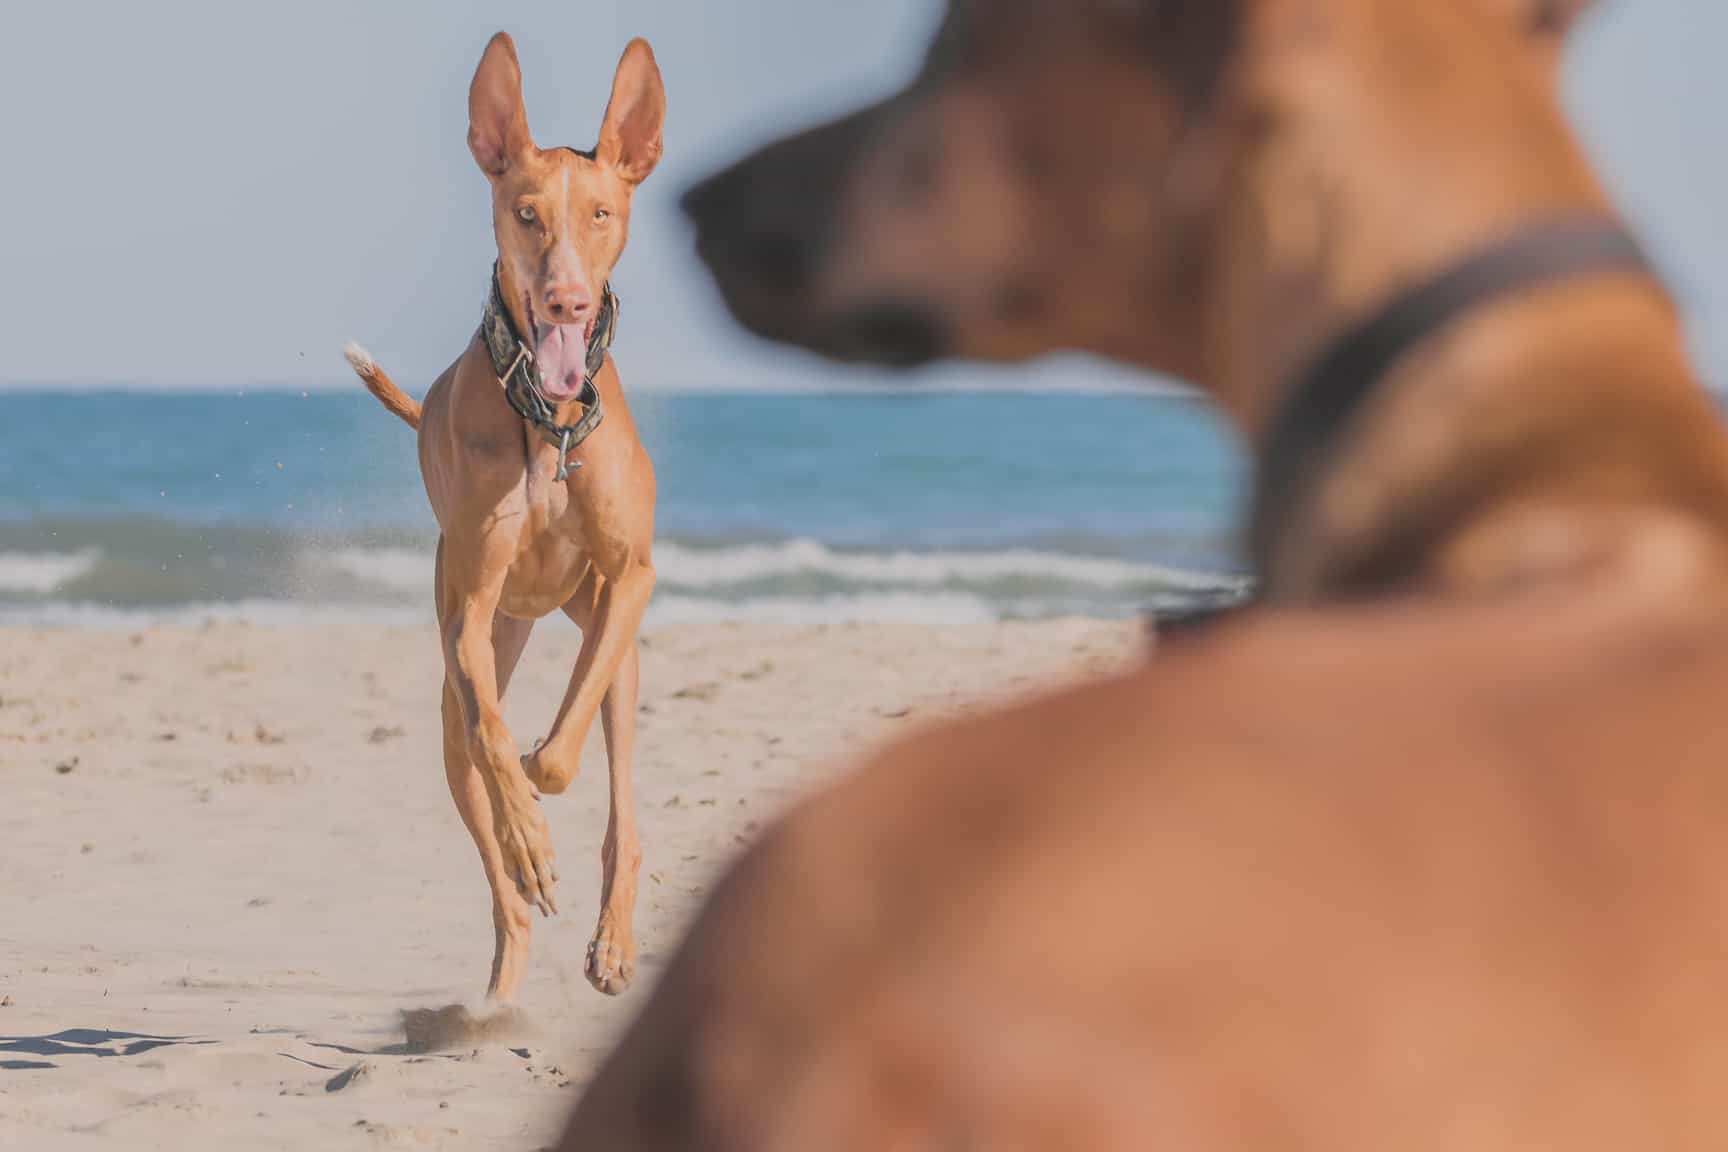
82	1042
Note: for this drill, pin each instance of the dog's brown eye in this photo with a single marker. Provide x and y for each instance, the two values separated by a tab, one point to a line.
601	215
525	214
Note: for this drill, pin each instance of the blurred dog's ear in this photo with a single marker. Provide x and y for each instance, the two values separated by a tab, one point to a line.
1191	43
1556	17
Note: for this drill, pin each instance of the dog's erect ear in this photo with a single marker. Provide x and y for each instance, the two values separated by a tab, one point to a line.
497	122
630	140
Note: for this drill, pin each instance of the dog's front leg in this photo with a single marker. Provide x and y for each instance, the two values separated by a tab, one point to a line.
612	952
608	632
470	668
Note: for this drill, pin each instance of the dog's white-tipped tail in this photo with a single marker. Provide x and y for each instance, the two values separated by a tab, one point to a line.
359	359
381	386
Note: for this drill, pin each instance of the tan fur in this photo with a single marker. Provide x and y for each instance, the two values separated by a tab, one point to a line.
1437	877
1443	873
516	544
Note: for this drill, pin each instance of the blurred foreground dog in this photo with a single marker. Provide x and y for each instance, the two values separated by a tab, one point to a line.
1427	854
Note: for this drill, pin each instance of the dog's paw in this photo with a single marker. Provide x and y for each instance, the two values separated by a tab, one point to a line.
611	956
526	845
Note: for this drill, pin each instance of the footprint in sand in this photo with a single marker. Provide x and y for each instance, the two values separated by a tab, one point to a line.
267	774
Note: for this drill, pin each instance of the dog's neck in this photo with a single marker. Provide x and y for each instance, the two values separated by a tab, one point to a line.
1540	434
514	301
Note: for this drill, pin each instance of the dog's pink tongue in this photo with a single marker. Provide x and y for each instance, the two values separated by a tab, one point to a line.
561	356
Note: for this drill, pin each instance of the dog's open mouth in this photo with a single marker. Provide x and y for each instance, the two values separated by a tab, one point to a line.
560	353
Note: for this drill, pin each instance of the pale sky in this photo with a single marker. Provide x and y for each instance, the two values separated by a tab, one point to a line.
218	193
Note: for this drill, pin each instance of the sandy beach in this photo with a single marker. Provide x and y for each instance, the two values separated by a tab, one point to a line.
230	863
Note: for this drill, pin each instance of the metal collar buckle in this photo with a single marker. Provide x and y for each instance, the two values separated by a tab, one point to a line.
522	354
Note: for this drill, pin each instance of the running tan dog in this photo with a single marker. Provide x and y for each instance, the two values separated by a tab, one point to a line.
541	509
1442	873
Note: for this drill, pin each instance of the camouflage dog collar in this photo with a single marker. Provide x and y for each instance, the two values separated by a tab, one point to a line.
513	364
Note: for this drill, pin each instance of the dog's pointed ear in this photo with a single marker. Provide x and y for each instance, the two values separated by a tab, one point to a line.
497	122
630	136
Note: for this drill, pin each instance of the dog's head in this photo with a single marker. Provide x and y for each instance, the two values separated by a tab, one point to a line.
1046	182
561	217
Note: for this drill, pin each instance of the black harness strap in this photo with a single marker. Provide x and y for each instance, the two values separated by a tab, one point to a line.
1325	399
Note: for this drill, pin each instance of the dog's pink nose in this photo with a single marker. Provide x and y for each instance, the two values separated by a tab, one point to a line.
567	303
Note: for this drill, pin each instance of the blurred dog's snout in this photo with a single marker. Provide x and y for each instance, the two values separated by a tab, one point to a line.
762	241
765	227
781	231
768	228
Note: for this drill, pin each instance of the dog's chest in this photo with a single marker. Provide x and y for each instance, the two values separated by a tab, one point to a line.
546	499
551	560
549	567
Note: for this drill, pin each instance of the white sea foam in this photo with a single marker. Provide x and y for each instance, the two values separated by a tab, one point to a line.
401	569
940	608
797	582
43	573
685	568
263	613
909	608
689	567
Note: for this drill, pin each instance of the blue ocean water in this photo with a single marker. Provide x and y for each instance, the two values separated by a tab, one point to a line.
800	507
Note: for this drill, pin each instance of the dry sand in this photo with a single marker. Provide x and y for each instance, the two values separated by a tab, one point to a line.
229	864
